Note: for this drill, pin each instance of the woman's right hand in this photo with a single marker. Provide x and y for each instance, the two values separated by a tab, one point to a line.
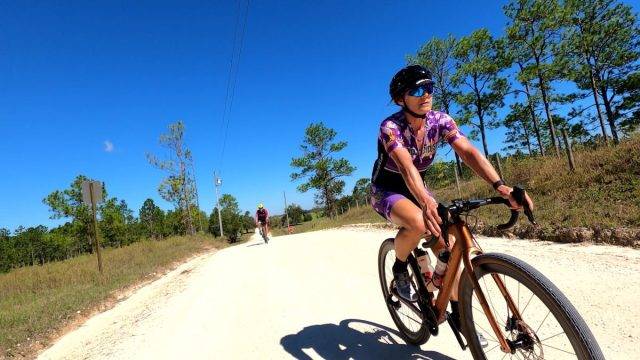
430	215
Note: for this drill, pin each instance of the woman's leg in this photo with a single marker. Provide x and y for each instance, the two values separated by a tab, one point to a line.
408	216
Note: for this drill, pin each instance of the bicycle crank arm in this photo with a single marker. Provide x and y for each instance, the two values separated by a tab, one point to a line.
456	332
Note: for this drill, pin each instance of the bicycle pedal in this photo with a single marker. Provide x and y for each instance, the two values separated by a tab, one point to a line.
394	303
483	342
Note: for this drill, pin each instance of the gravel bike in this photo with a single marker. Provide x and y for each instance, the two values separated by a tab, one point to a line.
502	299
263	233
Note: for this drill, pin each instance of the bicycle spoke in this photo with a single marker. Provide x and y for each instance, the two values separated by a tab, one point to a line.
543	320
525	307
487	295
413	309
488	351
412	319
555	348
496	315
552	336
486	332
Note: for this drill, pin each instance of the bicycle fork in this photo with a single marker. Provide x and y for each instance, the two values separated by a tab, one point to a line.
462	251
470	248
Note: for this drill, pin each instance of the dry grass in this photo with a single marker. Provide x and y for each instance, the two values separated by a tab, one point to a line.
37	300
604	191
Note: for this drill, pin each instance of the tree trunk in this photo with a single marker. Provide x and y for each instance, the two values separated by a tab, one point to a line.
536	127
481	121
526	137
328	202
595	99
545	101
458	162
484	138
610	116
185	197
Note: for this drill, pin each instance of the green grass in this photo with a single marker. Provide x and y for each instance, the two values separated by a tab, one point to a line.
364	214
36	300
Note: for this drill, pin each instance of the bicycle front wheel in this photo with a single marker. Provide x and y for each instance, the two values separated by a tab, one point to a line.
549	328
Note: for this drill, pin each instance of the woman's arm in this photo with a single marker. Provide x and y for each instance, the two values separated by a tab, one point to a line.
475	160
415	184
481	166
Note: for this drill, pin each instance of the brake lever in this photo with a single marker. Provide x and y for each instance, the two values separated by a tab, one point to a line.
519	195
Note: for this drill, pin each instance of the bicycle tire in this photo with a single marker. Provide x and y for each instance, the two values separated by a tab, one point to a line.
418	337
572	324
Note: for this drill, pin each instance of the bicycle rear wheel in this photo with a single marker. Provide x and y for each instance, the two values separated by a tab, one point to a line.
413	329
551	328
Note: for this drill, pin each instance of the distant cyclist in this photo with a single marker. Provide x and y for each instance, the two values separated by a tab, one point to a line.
262	220
407	142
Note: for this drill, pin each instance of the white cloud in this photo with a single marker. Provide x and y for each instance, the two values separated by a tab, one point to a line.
108	146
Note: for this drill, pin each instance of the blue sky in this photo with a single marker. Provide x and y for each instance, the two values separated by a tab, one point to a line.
88	87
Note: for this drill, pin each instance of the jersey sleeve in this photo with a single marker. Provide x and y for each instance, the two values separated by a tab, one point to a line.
391	136
449	129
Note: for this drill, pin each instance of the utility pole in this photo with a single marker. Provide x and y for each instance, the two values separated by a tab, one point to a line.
217	183
285	208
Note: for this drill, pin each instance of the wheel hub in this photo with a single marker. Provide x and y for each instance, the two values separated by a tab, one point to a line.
523	340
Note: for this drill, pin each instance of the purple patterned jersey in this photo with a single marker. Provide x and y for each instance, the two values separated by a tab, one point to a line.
395	132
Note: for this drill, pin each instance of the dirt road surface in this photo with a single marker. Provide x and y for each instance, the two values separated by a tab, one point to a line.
317	295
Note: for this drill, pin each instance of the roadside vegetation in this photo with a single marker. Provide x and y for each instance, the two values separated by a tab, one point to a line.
49	276
38	301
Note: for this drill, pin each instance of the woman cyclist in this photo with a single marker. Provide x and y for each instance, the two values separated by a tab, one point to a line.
407	145
262	219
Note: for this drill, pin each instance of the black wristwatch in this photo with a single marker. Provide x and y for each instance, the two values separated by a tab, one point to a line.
498	183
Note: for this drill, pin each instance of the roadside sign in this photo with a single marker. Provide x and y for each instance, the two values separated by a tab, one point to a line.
87	189
91	195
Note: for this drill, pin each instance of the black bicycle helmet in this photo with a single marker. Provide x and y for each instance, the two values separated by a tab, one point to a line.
406	79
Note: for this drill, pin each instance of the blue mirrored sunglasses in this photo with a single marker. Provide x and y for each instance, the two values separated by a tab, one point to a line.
421	90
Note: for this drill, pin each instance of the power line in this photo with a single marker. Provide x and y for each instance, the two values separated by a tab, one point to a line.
233	77
233	53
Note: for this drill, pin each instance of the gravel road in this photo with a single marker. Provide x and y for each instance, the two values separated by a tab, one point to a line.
317	295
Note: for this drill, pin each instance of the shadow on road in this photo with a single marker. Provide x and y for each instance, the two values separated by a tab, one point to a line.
256	244
353	339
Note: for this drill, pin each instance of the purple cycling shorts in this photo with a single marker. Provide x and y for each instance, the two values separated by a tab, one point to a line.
383	200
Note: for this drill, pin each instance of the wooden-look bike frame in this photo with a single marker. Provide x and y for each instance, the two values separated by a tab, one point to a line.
463	249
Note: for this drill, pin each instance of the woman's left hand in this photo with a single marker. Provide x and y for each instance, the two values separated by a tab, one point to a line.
505	191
